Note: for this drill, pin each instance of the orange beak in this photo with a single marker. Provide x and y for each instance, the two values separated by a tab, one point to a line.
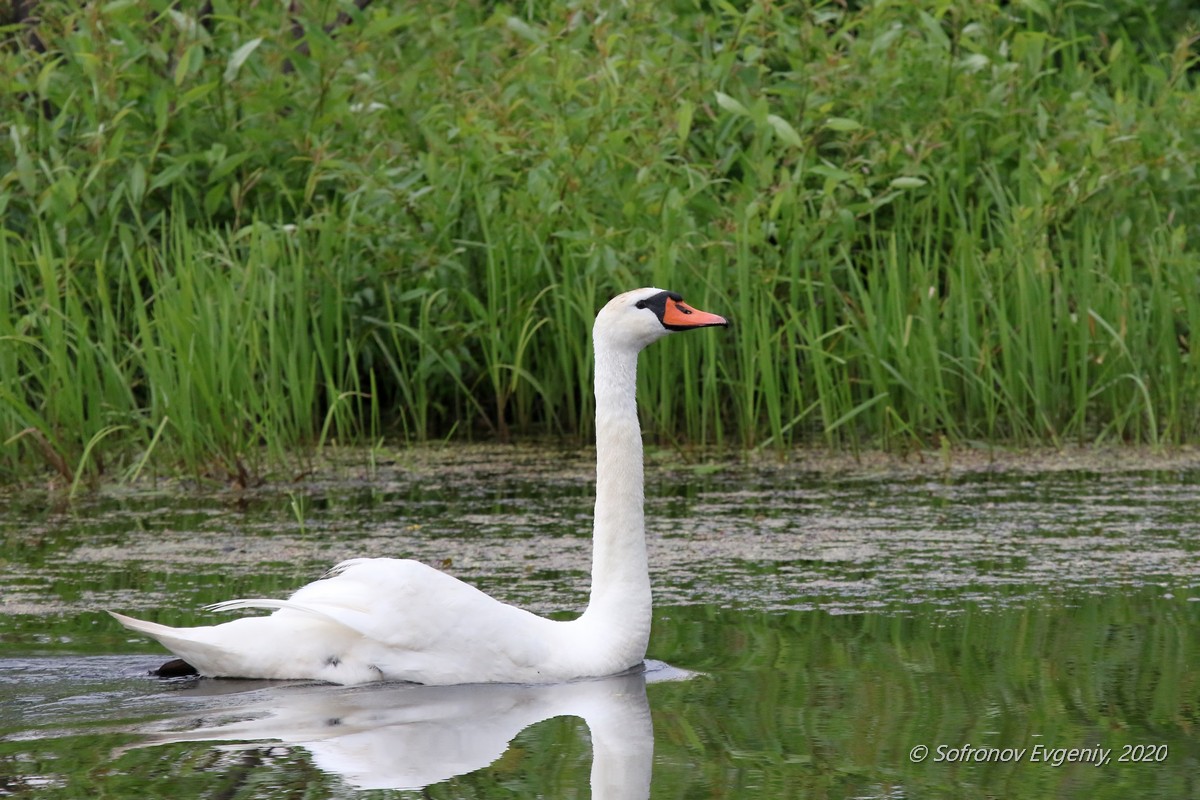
678	315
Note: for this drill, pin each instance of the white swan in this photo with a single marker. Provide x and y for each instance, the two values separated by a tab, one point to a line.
373	619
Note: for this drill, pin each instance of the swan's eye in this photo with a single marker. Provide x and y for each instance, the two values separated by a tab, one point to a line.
640	304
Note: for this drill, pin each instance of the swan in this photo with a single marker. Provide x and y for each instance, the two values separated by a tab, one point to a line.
388	619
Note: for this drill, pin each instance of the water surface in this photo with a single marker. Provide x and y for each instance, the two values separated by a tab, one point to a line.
836	620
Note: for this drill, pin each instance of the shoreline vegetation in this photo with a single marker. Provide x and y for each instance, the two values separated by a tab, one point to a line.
229	239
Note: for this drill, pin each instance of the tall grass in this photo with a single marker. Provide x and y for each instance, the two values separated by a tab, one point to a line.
930	223
231	343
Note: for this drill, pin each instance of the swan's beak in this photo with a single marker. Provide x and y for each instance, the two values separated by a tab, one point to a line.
679	316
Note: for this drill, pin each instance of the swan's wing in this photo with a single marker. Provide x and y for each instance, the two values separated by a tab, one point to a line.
351	618
361	594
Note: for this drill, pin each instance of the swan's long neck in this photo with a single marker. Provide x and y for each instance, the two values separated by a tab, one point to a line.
620	595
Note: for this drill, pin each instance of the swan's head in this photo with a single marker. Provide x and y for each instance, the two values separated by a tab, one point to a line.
642	316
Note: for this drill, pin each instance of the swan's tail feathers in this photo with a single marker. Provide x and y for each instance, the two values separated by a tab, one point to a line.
151	629
183	642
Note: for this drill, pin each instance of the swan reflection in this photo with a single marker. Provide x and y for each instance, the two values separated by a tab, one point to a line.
409	736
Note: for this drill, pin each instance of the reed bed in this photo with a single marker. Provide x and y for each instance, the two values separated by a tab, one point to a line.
224	247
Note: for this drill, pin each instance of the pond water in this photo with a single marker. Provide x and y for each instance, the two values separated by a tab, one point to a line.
867	633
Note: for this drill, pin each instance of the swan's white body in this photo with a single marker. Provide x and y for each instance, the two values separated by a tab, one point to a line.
375	619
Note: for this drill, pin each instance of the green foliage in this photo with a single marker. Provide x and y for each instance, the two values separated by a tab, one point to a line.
951	219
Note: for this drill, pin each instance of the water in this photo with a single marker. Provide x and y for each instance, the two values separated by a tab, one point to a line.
818	628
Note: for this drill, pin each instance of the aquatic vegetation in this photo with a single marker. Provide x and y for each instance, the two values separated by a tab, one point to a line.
221	250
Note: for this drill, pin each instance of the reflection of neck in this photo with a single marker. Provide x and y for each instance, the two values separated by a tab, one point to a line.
619	605
622	745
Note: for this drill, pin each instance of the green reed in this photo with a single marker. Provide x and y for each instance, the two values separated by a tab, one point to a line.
930	225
